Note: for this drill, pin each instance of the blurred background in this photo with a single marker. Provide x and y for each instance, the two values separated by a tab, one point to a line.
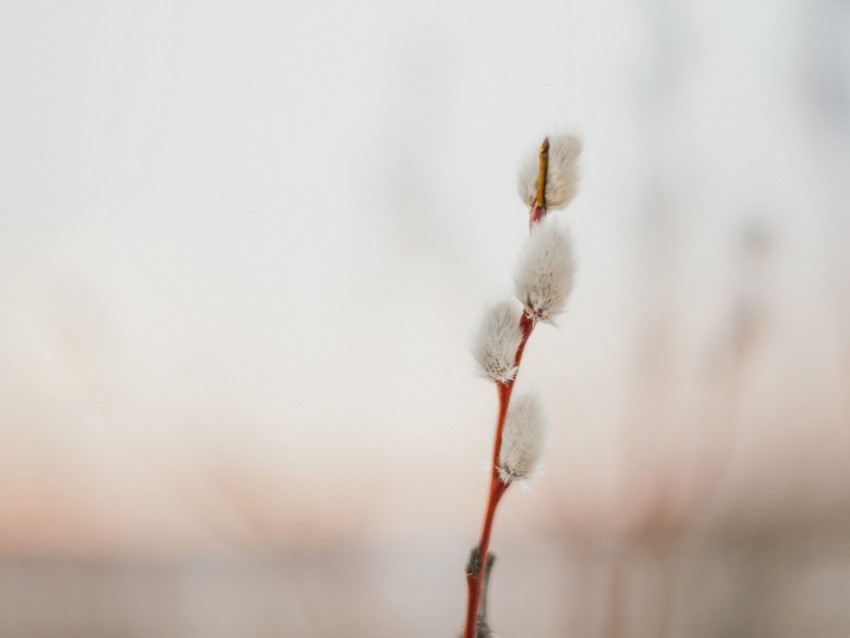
244	245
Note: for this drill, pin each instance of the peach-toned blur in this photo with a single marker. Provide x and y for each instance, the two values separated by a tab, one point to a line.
243	249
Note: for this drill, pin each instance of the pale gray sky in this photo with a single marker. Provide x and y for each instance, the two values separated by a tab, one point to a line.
243	246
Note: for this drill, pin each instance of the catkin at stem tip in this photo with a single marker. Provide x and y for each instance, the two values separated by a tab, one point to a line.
562	174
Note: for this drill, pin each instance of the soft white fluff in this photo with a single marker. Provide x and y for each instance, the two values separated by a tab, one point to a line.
497	341
544	278
523	439
561	178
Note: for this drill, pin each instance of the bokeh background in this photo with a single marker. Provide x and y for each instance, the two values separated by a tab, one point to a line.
243	246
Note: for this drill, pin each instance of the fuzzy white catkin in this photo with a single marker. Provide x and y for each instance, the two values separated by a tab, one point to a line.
562	176
544	278
497	341
523	439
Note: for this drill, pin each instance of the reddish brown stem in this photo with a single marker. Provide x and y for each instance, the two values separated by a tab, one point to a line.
475	570
536	215
478	561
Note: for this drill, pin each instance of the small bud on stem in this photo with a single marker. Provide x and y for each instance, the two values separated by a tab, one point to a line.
540	199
